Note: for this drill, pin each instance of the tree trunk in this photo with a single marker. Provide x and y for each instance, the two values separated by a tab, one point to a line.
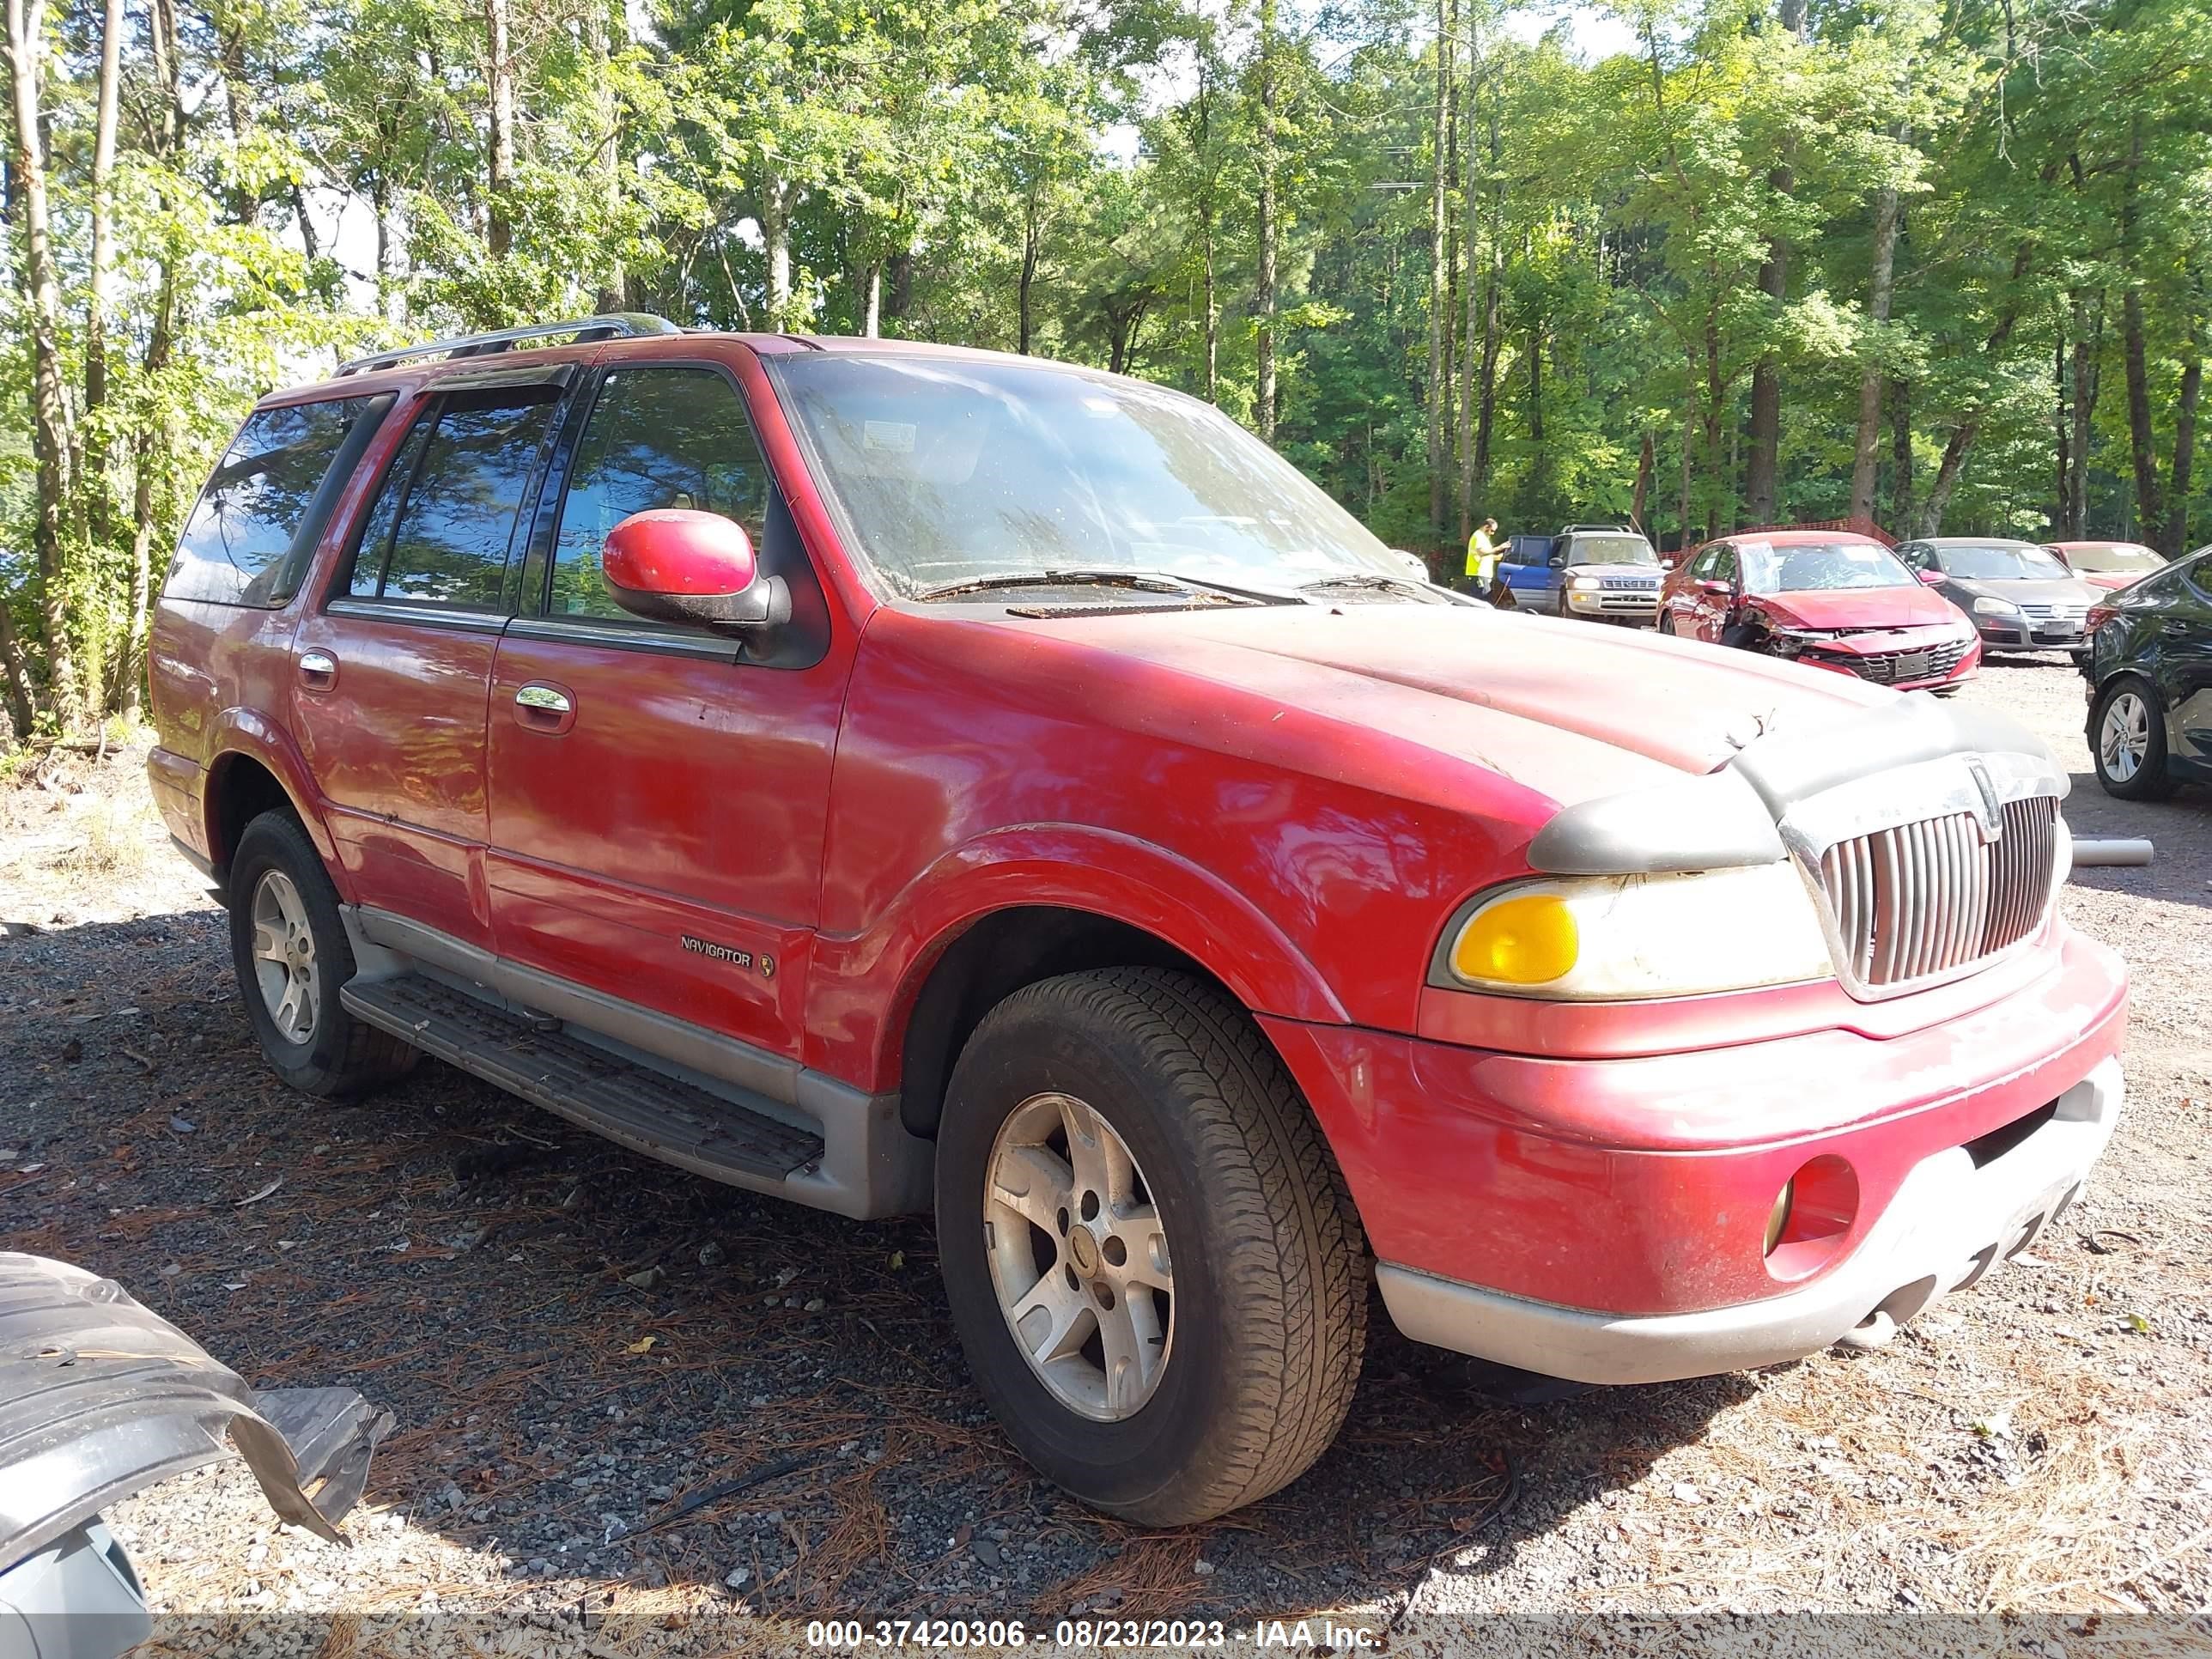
1439	273
2062	511
2087	382
1486	420
21	713
1647	463
1901	494
499	78
1537	392
150	448
2142	436
600	41
1264	298
1946	475
1881	289
102	272
2176	536
872	289
1762	480
244	204
50	432
1689	447
775	241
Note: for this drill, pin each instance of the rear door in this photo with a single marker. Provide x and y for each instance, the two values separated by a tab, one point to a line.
390	675
658	793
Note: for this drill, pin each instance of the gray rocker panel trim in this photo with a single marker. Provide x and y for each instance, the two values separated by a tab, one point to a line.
871	1168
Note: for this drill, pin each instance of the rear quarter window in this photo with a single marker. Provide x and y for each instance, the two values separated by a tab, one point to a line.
255	526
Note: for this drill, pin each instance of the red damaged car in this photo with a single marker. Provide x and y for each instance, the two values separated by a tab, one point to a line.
899	779
1827	598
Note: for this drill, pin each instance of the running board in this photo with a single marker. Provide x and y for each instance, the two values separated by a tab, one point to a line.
645	1111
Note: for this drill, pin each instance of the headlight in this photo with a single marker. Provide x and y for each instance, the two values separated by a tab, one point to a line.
1988	606
1585	584
1615	938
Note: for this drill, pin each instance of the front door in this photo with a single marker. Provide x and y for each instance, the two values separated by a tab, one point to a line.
658	793
2184	649
392	673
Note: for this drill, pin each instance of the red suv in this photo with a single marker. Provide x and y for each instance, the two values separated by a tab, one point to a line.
899	778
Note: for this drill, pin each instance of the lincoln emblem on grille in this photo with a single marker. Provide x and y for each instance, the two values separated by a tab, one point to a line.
1992	816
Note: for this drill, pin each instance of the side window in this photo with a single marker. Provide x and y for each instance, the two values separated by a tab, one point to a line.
439	529
657	437
255	527
1914	556
1724	565
1702	566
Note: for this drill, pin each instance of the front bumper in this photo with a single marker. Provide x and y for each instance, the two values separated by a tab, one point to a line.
1612	605
1949	1223
2024	634
1605	1218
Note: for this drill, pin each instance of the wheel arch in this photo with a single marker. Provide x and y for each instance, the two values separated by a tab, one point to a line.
255	769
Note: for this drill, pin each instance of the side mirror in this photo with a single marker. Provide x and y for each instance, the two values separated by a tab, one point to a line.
1718	589
1933	578
1558	558
677	564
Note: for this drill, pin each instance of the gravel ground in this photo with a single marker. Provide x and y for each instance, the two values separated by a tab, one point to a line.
638	1411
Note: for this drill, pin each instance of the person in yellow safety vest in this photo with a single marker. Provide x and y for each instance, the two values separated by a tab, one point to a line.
1482	551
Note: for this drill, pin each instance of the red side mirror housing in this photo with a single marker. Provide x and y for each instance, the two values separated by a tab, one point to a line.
1933	578
1719	589
677	564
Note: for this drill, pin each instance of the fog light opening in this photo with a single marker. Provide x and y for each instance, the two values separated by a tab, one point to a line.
1811	1217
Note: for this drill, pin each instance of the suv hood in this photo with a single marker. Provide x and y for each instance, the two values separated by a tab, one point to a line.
1562	709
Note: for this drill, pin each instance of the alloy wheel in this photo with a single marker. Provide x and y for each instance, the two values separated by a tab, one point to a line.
1079	1258
284	957
2124	737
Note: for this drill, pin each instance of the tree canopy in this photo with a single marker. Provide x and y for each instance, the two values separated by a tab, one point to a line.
1775	261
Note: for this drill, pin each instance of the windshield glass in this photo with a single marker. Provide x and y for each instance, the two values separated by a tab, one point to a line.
954	470
1818	567
2000	563
1610	550
2115	559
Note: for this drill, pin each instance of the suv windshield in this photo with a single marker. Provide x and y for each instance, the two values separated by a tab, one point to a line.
2000	563
955	471
1610	550
2115	559
1817	567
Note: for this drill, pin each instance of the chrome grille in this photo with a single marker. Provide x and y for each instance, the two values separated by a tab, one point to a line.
1932	896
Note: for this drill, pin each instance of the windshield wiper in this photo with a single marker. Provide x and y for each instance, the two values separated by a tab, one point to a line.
1148	581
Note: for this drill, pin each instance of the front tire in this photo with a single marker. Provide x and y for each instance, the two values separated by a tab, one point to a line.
289	945
2127	741
1153	1264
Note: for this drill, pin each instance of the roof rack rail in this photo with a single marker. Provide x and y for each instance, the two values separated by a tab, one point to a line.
612	326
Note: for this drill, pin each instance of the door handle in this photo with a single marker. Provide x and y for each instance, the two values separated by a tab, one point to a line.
318	670
542	707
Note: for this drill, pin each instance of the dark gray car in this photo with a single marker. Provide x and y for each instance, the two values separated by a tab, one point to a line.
2018	595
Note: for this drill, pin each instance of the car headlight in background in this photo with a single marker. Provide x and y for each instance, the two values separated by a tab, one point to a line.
1585	584
1616	937
1989	606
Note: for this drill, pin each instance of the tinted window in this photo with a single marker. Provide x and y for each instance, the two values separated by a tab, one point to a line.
657	437
248	540
439	531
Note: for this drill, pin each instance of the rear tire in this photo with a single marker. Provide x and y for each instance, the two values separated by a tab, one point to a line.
2127	741
289	949
1224	1252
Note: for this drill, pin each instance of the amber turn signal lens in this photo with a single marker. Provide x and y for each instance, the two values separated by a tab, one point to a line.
1518	941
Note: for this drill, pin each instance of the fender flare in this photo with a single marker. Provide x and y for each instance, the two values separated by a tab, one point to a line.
1065	867
247	733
